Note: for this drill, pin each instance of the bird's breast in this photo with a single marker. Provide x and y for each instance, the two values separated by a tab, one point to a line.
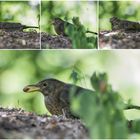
53	105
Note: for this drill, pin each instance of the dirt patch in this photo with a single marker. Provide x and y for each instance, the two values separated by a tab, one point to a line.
17	123
32	40
55	42
119	40
19	40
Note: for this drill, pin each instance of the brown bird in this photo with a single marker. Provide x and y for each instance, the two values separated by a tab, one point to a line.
11	26
57	95
119	24
60	26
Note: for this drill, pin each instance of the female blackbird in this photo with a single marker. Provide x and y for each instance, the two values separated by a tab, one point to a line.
61	25
119	24
57	95
11	26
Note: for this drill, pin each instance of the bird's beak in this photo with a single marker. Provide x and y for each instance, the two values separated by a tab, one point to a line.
31	88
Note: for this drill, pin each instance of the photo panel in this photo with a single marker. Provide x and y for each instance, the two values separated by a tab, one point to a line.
69	24
68	69
20	24
119	24
80	82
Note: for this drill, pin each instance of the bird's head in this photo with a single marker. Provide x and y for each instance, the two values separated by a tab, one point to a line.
57	21
47	86
113	19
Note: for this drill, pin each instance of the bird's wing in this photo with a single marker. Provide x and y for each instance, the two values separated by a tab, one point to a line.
68	26
64	95
69	89
61	27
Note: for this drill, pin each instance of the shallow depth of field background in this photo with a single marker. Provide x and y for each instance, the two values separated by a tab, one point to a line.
85	10
20	68
40	13
128	10
25	12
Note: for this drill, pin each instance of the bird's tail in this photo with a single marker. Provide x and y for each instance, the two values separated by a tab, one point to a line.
92	32
132	107
25	27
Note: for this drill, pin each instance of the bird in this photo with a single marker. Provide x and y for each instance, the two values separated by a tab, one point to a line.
119	24
61	25
12	26
57	95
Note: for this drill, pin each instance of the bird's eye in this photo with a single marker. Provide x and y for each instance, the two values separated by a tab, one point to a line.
44	84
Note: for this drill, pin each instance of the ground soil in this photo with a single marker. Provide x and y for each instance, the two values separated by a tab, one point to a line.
119	40
32	40
17	123
19	40
55	42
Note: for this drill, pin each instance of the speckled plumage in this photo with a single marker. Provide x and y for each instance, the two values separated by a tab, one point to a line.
118	24
10	26
57	95
59	26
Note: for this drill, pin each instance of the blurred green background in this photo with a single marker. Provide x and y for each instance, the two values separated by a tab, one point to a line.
25	12
129	10
20	68
85	10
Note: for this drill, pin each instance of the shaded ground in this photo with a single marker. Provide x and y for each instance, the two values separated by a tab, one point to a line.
119	40
55	42
32	40
16	123
19	40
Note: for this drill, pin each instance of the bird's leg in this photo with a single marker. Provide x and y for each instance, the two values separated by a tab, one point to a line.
64	113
